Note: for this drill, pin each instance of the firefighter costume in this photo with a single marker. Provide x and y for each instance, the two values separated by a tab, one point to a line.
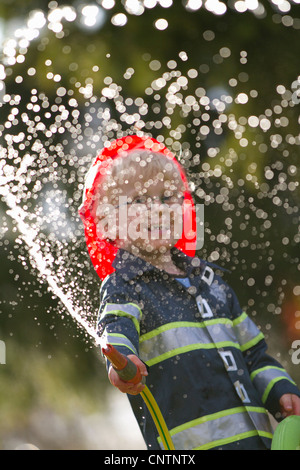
209	371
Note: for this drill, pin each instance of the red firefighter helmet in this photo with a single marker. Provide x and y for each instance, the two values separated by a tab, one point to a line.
102	252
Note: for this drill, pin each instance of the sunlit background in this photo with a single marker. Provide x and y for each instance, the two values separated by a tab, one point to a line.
219	84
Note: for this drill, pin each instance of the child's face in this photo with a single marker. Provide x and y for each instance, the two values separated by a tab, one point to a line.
143	215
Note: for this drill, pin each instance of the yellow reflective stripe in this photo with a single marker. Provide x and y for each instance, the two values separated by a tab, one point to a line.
263	369
180	337
169	326
193	432
252	342
266	377
128	310
240	319
214	416
237	437
161	344
190	347
129	307
117	339
271	385
180	324
120	313
247	332
206	418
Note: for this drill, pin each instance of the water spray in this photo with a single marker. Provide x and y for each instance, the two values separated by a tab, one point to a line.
125	368
29	235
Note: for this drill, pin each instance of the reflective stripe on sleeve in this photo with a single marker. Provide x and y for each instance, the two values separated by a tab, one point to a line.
128	310
116	339
265	378
222	428
246	331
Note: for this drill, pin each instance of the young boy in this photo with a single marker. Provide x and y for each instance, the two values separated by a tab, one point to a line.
204	360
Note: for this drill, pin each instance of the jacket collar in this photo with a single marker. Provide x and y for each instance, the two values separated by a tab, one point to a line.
131	266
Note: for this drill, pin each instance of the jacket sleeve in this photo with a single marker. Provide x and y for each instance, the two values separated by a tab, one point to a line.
119	316
267	375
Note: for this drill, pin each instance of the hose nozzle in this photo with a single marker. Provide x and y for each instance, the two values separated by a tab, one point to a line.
124	367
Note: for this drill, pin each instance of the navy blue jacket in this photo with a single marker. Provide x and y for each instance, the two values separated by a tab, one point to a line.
208	367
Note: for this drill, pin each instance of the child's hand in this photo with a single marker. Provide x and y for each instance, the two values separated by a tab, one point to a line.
127	387
290	405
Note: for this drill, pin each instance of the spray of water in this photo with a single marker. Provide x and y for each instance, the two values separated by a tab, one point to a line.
29	236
